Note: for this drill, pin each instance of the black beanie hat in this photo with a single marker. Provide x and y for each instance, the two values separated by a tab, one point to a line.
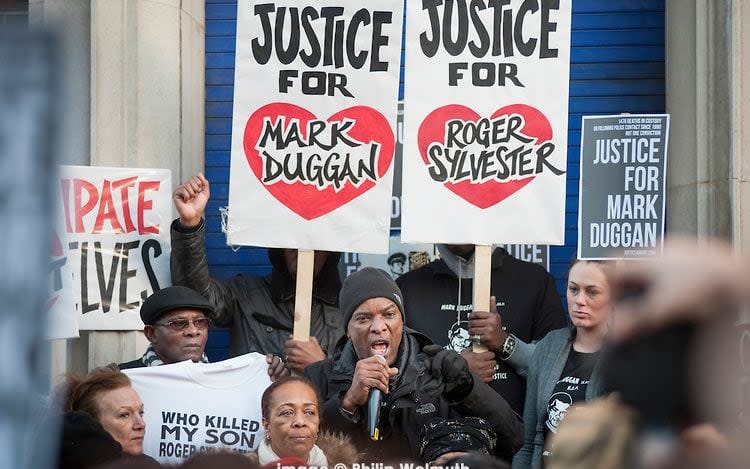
171	298
365	284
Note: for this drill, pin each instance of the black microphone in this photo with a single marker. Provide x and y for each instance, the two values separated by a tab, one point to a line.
374	400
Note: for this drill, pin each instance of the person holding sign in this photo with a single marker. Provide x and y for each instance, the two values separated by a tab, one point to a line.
439	295
258	310
176	325
391	380
564	368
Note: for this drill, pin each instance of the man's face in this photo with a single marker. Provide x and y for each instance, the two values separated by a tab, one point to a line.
290	259
376	328
178	345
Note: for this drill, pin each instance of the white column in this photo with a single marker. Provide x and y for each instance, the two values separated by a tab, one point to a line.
71	21
193	99
707	71
136	68
740	98
147	84
147	105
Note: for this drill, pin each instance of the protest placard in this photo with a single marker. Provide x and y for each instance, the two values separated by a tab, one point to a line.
117	225
313	127
62	314
485	122
622	186
192	407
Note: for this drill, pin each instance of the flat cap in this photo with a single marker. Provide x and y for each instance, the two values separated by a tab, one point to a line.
171	298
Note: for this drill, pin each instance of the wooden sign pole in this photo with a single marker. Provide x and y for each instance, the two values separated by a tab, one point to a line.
482	273
303	295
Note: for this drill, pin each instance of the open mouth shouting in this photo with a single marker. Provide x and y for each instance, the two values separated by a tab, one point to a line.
380	347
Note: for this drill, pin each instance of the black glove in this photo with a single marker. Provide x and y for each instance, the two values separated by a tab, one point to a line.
452	369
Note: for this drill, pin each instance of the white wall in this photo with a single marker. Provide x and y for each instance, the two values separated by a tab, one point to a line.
135	97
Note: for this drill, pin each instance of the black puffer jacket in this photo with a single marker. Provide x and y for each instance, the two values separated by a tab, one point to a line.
258	310
413	400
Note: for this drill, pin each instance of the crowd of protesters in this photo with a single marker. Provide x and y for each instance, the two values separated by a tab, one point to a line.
640	373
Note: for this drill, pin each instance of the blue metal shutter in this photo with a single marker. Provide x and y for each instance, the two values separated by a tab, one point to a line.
617	65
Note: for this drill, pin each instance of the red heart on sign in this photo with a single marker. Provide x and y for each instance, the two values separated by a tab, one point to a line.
488	193
306	200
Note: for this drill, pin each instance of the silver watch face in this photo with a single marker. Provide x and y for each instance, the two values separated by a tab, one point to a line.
508	346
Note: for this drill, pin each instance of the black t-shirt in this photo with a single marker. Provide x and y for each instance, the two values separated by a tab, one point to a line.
570	388
438	305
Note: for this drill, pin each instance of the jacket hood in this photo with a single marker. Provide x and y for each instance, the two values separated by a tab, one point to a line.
462	268
326	284
337	447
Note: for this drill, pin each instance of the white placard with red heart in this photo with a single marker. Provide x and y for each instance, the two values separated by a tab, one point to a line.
313	128
485	122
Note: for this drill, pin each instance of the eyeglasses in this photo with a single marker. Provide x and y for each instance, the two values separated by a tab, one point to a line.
179	325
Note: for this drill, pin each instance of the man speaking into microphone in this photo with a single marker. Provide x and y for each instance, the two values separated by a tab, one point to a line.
420	384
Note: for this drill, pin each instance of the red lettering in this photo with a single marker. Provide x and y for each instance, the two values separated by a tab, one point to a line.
107	211
80	209
111	204
144	205
124	196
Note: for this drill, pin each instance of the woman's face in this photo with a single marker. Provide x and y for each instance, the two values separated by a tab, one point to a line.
121	414
589	296
293	419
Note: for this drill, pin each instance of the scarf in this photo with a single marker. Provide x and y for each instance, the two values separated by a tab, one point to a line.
267	455
151	358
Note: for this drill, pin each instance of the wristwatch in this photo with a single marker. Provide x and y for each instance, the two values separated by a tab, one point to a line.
509	346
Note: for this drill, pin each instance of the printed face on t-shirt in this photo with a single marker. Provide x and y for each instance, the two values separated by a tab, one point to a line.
589	296
121	414
556	410
375	329
293	419
174	346
458	336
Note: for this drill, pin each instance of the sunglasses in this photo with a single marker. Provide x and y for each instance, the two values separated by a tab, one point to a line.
179	325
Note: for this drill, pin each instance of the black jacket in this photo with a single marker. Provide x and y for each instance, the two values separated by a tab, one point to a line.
527	302
258	310
137	363
413	400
